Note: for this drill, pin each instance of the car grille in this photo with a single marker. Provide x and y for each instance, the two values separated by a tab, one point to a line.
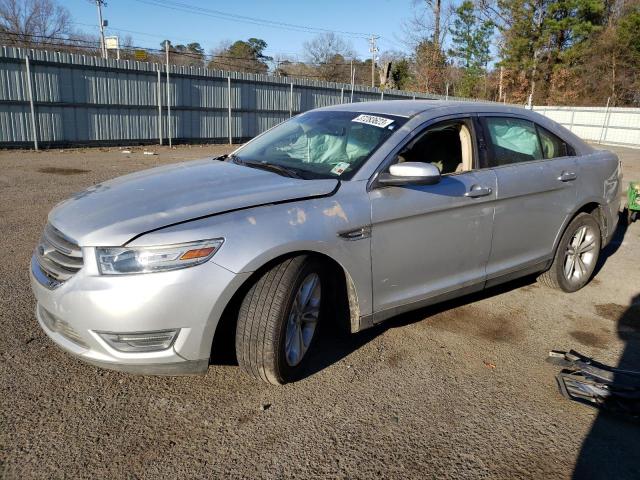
58	257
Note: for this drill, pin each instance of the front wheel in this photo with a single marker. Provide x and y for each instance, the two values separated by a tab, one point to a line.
576	256
278	319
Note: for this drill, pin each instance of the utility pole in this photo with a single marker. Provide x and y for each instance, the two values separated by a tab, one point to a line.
103	45
373	49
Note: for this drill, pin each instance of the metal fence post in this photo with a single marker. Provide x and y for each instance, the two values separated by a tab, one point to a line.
33	111
159	93
168	97
229	109
606	125
605	121
382	95
291	101
341	95
353	80
573	114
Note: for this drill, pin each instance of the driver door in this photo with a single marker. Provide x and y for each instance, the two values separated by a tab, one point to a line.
431	242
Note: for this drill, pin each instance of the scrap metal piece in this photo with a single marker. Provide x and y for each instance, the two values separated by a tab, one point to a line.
593	383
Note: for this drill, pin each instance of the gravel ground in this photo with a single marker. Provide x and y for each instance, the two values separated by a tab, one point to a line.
460	390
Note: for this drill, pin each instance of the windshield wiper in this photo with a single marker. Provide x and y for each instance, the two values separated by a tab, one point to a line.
272	167
225	157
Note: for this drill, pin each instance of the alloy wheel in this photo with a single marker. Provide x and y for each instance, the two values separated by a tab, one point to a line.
580	256
303	319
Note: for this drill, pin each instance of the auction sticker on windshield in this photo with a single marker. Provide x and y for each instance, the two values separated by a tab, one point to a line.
340	168
373	120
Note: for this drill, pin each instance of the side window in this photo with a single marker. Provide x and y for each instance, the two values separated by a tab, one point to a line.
512	140
553	146
447	145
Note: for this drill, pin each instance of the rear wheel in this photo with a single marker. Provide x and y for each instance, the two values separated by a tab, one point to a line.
278	319
576	256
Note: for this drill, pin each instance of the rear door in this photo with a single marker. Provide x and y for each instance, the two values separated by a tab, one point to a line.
536	192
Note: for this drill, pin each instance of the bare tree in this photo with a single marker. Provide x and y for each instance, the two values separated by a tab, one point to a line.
331	54
429	22
425	33
32	22
325	46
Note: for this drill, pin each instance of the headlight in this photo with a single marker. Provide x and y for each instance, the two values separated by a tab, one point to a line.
123	260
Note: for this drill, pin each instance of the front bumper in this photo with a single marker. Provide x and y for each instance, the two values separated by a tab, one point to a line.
190	299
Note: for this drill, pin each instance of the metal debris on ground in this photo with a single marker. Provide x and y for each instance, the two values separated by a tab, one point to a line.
593	383
146	152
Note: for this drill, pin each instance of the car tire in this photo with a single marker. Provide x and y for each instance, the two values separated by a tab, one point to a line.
576	256
274	332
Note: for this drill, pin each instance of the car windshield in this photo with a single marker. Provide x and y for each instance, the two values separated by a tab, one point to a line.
321	144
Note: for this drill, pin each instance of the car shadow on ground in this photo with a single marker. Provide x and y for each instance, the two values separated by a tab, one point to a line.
612	447
334	343
614	244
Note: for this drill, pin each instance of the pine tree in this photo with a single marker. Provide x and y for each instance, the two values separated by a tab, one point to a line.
470	39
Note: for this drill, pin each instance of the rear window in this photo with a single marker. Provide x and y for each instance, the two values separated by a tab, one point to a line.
513	140
552	145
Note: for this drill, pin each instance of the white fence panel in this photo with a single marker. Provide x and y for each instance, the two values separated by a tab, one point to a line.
610	126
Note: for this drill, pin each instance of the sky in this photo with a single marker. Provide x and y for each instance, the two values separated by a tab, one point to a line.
149	23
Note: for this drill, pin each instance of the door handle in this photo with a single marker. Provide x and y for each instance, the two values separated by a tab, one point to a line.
566	176
478	191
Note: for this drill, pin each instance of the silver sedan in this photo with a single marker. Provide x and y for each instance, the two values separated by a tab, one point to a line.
347	214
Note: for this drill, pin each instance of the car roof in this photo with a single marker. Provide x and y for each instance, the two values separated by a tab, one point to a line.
409	108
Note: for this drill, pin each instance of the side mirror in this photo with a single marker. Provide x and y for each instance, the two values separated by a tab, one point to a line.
410	173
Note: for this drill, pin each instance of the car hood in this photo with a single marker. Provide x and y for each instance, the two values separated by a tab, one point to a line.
113	212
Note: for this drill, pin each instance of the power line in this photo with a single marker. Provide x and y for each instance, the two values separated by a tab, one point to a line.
188	8
217	59
147	34
185	39
195	55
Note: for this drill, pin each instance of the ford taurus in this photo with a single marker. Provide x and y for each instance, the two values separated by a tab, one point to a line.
381	207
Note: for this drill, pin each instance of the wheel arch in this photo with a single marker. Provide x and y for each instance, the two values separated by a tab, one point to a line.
593	207
342	287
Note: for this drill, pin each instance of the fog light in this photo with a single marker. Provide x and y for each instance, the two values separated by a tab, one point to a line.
58	325
140	342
